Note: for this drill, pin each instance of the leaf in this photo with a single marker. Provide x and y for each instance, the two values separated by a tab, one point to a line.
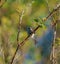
36	20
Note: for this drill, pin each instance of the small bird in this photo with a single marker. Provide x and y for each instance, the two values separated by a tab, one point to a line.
29	30
33	36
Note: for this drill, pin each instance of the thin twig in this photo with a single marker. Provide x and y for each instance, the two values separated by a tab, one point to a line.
51	13
54	10
23	42
19	28
53	47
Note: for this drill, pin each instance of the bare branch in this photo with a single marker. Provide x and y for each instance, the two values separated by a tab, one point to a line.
51	13
23	42
53	59
54	10
19	28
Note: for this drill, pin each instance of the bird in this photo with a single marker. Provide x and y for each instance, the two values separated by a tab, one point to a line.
29	30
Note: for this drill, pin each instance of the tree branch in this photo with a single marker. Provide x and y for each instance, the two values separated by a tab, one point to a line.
19	28
54	10
23	42
51	13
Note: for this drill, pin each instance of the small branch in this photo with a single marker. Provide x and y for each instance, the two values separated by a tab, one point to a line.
48	8
19	28
52	17
23	42
53	47
54	10
51	13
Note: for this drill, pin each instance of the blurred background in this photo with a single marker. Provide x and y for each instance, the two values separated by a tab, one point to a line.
23	14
